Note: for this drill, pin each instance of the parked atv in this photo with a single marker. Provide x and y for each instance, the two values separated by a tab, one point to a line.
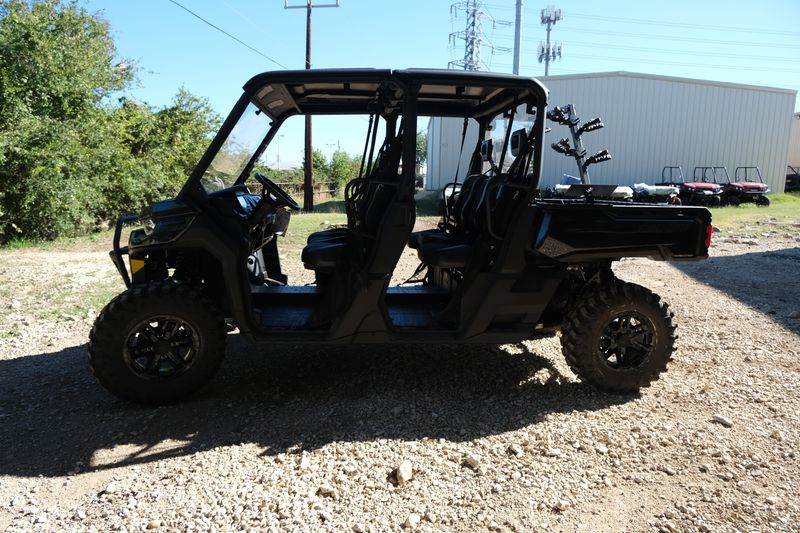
504	267
792	179
748	186
702	190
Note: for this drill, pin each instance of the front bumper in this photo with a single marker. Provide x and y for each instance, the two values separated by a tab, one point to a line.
117	252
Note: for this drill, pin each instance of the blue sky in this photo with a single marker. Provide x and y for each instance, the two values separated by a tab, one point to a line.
752	43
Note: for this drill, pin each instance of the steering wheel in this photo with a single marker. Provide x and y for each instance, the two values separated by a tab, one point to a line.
282	198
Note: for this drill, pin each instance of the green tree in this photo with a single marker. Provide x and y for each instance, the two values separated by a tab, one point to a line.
68	158
57	64
422	147
343	168
321	169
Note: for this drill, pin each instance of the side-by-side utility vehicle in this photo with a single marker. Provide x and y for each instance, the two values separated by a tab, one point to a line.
703	190
747	186
503	266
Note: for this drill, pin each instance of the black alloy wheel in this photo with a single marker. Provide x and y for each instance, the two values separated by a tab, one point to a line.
161	347
627	340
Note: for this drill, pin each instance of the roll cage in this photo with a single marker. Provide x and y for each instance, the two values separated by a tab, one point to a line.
412	93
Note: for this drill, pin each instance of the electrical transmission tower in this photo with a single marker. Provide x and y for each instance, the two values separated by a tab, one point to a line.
549	52
473	36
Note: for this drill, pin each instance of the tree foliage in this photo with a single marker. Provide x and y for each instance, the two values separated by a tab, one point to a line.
343	168
422	147
69	158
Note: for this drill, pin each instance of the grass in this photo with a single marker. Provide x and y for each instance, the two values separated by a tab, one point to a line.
332	213
784	208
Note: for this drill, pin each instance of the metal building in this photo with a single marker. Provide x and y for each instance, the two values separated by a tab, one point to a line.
794	143
650	122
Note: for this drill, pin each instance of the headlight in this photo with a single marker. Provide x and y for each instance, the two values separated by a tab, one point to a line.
149	225
164	230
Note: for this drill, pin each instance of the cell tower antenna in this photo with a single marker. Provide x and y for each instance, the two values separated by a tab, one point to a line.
547	51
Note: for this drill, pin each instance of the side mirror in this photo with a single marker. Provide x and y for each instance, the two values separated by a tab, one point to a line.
487	150
518	139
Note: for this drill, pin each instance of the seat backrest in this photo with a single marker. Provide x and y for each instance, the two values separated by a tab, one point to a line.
382	186
464	195
475	222
504	206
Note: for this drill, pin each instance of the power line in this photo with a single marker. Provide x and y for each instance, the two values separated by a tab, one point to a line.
681	64
673	38
265	56
684	25
688	52
671	51
626	20
687	65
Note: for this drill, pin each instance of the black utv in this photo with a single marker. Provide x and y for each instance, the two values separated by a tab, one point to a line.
503	266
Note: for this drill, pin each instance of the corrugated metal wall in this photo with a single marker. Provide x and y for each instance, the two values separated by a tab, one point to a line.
444	142
654	121
794	143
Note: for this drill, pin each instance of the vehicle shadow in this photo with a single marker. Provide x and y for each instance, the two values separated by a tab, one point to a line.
766	281
56	418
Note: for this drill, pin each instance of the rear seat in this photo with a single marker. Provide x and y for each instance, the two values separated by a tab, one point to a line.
464	205
456	252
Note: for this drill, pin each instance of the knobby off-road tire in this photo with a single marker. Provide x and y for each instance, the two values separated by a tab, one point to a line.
158	343
733	201
762	201
618	337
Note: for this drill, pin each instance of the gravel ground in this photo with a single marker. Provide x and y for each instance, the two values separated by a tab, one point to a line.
427	438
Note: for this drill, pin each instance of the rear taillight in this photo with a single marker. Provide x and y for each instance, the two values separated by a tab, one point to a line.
709	231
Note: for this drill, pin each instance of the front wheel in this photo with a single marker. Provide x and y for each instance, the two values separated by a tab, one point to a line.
733	201
618	337
157	344
762	201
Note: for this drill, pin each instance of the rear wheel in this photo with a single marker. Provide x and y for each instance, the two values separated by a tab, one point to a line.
157	344
762	201
618	337
733	201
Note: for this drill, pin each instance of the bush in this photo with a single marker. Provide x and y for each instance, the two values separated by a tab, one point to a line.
67	159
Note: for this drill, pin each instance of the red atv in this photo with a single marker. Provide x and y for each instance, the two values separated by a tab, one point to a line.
748	187
702	191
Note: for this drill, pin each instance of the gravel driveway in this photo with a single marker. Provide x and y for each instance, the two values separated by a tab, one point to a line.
427	438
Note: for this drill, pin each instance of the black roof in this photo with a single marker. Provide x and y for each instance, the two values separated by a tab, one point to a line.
355	91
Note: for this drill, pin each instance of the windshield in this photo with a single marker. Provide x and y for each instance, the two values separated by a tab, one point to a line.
499	127
237	150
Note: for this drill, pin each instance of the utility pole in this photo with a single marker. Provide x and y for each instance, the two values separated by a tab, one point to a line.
278	138
308	170
548	52
517	36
